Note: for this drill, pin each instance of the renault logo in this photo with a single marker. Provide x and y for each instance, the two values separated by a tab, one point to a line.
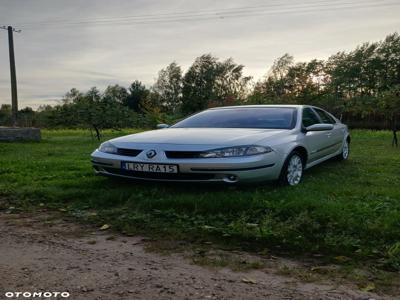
151	153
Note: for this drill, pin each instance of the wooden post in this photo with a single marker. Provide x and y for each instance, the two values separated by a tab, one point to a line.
13	75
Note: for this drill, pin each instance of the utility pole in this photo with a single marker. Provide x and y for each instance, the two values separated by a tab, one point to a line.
13	75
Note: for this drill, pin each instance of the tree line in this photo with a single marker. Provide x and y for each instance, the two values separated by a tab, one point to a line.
362	86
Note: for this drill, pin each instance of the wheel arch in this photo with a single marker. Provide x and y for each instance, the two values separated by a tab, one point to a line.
302	151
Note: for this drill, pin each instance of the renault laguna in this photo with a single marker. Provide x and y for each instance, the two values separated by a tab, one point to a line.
250	143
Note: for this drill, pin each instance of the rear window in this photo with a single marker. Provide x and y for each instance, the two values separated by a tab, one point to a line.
325	117
254	117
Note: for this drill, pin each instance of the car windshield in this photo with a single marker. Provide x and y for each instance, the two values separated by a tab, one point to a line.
254	117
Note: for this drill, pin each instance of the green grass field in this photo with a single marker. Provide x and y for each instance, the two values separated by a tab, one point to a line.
347	209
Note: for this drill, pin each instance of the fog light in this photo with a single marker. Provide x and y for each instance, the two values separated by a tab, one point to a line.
231	178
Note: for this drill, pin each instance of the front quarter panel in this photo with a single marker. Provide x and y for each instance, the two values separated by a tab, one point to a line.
283	145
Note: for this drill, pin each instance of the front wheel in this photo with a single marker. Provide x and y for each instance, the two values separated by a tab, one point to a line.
292	170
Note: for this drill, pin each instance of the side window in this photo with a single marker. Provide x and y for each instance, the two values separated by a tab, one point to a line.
309	117
326	118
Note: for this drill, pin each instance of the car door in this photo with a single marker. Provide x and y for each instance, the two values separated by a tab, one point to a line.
336	135
316	141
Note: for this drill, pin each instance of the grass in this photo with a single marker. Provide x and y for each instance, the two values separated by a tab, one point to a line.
345	211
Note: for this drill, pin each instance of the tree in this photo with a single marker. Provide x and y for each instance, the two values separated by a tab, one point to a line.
26	117
45	116
389	104
362	85
98	111
92	109
210	82
72	96
5	115
116	93
230	84
389	53
289	82
350	82
198	84
137	94
169	87
281	67
275	83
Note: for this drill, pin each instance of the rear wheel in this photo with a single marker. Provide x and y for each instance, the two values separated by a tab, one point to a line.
345	151
292	170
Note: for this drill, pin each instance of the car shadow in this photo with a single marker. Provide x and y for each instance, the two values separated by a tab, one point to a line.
195	187
185	186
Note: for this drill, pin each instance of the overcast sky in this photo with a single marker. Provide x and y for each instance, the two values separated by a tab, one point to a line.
85	43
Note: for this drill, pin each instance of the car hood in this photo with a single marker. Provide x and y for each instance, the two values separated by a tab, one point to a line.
199	136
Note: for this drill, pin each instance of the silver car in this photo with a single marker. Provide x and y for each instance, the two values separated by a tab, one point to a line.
229	144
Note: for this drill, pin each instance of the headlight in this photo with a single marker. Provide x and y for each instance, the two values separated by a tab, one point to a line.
107	147
236	151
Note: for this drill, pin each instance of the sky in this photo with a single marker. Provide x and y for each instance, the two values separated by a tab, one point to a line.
79	44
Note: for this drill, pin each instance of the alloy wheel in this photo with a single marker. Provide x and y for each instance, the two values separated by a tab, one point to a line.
294	170
345	150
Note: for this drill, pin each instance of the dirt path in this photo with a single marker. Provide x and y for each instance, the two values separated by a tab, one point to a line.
41	254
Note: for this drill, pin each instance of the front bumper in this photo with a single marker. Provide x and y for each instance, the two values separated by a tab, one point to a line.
231	170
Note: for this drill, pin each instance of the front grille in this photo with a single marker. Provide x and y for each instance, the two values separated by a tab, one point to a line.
128	152
161	176
182	154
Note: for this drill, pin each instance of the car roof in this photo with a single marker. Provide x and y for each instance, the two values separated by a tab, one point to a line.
260	106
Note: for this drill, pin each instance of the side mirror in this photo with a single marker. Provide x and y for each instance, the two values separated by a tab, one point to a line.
319	127
162	126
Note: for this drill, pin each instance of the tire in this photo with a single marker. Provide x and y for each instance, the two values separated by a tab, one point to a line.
292	170
344	155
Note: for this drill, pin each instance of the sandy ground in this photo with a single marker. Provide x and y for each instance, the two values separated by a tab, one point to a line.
40	254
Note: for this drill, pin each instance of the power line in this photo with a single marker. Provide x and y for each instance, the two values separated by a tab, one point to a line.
241	12
186	13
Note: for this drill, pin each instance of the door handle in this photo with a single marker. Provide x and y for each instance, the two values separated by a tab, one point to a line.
328	134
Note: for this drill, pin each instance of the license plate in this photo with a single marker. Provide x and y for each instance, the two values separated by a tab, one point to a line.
152	168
